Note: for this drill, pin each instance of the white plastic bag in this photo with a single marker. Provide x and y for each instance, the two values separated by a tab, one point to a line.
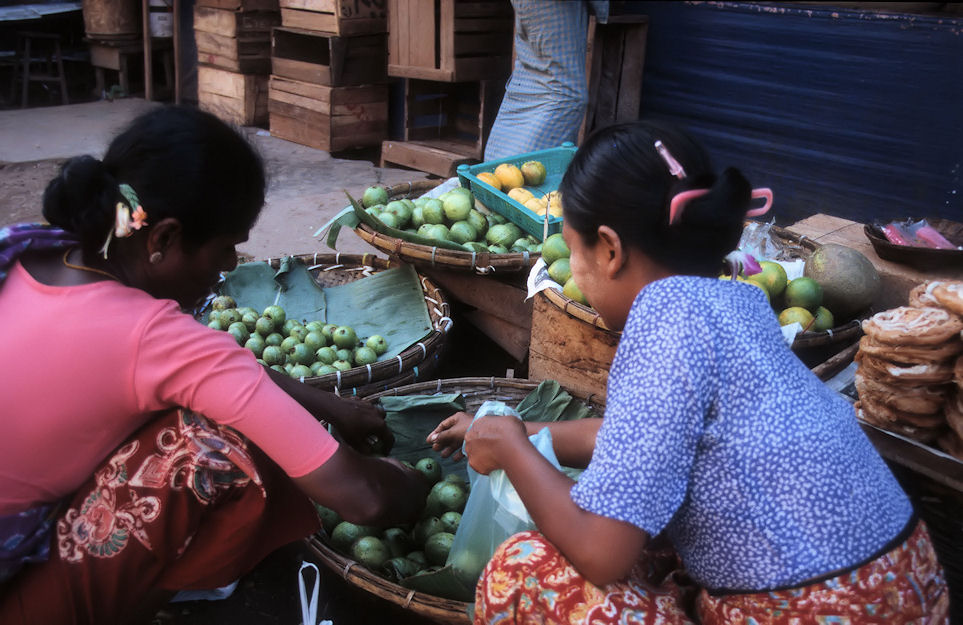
494	510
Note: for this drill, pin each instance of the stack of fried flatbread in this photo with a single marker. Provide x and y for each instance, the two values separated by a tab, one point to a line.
910	367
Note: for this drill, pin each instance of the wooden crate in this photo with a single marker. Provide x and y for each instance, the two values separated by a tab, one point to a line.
569	350
241	23
446	124
323	59
327	118
450	40
235	98
336	17
235	40
239	5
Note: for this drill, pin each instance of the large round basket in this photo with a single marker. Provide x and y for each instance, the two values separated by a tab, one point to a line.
415	363
475	391
443	258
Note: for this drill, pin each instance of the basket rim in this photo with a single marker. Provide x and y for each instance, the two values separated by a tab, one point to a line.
418	254
355	573
354	380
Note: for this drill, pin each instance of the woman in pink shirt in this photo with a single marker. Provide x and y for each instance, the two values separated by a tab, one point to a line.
142	453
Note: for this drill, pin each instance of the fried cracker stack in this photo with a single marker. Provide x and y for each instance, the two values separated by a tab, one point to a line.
908	362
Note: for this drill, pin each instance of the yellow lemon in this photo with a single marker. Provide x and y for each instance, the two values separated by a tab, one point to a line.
489	178
796	314
510	176
520	195
533	205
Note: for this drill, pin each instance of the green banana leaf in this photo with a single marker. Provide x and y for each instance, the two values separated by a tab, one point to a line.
390	303
550	402
379	226
412	417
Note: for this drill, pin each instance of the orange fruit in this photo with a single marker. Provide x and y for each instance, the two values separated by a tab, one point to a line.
510	176
491	179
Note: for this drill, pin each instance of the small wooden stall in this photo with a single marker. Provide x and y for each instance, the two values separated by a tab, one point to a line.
456	56
328	64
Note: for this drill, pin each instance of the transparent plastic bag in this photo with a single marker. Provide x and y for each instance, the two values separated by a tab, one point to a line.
494	510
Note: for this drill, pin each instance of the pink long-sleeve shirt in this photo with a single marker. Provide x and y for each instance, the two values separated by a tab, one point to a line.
85	366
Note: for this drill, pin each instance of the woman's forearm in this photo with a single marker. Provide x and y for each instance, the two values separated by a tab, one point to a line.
573	441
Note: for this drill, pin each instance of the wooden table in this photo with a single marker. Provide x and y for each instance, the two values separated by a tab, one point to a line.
499	308
896	280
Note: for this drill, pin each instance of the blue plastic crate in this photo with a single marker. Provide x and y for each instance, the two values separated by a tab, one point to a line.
555	160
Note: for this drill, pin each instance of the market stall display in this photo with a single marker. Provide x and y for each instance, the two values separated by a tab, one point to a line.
423	251
545	401
523	188
414	341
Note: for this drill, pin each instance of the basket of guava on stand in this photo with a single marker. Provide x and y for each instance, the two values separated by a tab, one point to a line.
453	233
413	411
400	316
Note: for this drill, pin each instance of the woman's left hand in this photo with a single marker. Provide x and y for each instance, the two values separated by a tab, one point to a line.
489	438
362	425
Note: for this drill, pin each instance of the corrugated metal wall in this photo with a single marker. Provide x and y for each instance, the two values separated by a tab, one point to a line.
851	113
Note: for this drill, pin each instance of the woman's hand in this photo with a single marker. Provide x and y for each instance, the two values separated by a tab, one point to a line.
362	425
490	437
447	438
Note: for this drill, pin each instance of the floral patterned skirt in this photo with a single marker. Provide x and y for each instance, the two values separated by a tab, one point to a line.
529	581
184	504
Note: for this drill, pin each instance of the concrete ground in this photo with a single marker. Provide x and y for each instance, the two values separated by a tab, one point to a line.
306	189
306	185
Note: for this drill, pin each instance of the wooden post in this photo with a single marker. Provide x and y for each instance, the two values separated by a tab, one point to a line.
148	61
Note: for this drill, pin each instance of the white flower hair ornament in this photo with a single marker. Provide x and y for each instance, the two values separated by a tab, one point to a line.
125	219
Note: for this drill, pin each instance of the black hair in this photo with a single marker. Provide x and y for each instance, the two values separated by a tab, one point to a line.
617	178
182	163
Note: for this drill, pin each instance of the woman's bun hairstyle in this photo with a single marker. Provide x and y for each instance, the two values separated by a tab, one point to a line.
183	163
619	179
81	198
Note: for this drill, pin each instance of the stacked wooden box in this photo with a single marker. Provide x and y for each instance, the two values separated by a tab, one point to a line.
456	55
234	57
328	73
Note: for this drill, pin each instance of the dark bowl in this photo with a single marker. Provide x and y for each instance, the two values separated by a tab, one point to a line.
923	258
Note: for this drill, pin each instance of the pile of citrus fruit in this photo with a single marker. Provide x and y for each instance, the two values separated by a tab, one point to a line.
300	349
512	180
797	301
399	552
451	216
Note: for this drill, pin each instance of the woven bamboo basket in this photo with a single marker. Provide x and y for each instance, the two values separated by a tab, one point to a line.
475	391
443	258
415	363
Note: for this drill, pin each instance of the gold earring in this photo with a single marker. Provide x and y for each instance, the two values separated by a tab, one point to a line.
155	258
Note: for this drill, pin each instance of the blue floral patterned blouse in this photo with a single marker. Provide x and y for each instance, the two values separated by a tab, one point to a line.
716	433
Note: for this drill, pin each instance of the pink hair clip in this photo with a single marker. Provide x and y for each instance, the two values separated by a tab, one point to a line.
675	168
680	200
